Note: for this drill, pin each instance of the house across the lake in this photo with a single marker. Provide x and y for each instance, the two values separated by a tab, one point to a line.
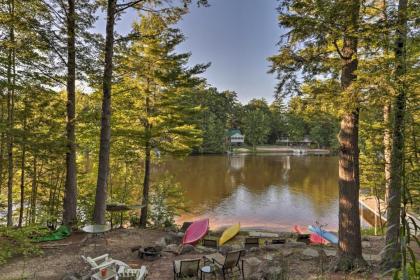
235	137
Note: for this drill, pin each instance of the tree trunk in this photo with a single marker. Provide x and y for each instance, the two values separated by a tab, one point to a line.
104	148
10	114
350	248
146	186
34	192
392	254
22	175
387	149
70	191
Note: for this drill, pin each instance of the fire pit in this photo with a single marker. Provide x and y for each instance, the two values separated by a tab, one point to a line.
149	253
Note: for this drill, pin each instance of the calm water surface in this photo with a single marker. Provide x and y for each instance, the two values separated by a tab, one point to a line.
265	191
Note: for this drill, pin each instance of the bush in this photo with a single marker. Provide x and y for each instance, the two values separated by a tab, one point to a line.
18	241
166	200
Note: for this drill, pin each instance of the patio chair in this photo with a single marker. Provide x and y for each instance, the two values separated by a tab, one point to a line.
211	243
229	264
251	242
132	274
187	269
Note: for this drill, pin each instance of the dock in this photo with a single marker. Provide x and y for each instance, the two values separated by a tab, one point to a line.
373	211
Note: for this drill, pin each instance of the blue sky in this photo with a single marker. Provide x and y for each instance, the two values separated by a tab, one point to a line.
236	36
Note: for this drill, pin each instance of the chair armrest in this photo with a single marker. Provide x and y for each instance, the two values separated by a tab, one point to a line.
104	265
103	257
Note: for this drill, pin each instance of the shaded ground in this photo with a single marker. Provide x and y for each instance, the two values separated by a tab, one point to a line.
64	258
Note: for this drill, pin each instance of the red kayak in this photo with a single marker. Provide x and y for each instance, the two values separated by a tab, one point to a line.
313	237
195	232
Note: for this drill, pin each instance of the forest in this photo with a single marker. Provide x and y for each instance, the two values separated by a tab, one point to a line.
85	116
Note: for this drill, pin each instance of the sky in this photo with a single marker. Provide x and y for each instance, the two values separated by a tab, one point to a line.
236	36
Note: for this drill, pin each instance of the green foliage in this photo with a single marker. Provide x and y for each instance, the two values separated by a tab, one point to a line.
18	242
256	122
166	201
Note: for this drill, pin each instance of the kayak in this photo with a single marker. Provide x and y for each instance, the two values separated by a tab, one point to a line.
331	237
195	232
313	237
229	233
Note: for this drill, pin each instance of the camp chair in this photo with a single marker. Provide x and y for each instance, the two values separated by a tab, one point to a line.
185	226
132	274
251	242
186	269
228	264
211	243
103	261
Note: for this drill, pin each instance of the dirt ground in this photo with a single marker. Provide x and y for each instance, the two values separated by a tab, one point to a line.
64	257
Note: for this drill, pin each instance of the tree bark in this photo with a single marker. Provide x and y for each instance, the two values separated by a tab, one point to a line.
350	249
104	148
10	114
70	191
146	187
387	149
392	254
34	192
22	175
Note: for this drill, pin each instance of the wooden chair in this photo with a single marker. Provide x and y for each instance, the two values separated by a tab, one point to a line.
104	261
229	264
211	243
187	269
251	242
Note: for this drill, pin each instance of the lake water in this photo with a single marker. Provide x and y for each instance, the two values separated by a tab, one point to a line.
261	191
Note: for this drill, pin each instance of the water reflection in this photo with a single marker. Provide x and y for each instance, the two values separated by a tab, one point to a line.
269	191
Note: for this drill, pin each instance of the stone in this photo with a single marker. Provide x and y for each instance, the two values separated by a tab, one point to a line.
373	258
309	252
252	264
71	276
161	242
173	238
366	244
255	249
273	247
286	253
185	249
330	253
203	249
172	248
294	245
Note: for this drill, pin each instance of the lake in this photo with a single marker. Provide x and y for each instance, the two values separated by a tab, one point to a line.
260	191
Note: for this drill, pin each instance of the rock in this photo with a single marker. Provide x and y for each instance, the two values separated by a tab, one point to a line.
203	249
187	249
294	245
286	253
366	244
255	250
172	248
236	247
71	276
330	253
373	258
161	242
272	269
309	252
173	238
273	247
252	264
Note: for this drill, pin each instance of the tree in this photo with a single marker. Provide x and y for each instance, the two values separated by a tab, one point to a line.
155	92
113	10
323	40
256	122
392	255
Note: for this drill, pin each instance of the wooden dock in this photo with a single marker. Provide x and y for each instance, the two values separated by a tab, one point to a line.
373	211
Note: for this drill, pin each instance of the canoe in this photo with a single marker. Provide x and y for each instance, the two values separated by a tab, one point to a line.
313	237
195	232
229	233
331	237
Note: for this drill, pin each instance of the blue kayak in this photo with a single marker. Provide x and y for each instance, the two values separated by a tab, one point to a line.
331	237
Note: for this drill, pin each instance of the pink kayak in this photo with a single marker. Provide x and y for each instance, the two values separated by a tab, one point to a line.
195	232
313	237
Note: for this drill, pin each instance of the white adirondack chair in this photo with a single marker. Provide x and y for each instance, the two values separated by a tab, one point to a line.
132	274
104	261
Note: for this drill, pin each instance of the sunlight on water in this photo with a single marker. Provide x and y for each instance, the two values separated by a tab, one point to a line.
264	191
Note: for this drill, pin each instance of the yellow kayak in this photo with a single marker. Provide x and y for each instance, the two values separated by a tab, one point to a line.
229	233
